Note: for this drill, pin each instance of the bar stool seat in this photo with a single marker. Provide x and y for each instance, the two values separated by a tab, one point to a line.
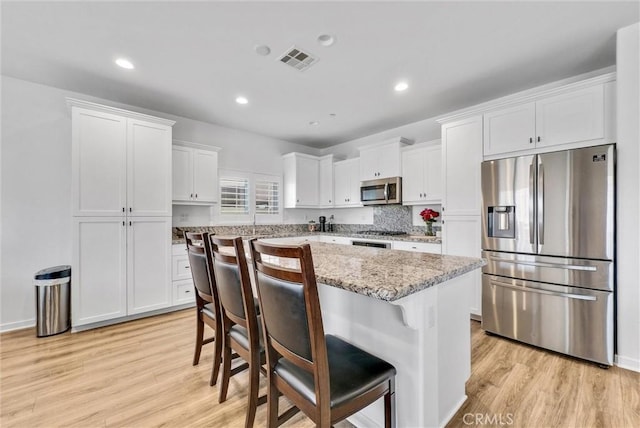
209	310
241	336
352	372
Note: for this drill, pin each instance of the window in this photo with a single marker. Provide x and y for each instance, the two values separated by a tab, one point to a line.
247	196
267	196
234	196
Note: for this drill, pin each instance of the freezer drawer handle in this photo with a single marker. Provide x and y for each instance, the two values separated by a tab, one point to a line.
548	265
550	293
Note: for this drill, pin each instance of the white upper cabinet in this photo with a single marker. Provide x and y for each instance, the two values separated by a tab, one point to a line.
422	175
182	173
99	158
510	129
381	160
195	175
325	184
121	162
301	176
461	158
569	117
148	168
346	183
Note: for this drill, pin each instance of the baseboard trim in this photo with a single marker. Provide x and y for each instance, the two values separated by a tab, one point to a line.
78	328
18	325
453	412
360	420
628	363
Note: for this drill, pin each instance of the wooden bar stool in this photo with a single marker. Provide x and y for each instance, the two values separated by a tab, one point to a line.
207	302
324	376
239	318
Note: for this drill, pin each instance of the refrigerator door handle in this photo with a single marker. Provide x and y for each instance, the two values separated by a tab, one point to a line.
550	293
540	204
547	265
531	204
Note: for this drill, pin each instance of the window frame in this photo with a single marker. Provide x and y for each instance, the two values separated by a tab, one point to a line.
253	178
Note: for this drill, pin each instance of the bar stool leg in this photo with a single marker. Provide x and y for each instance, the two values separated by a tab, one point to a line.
199	338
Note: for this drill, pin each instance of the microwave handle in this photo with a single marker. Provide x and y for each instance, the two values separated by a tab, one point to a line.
386	192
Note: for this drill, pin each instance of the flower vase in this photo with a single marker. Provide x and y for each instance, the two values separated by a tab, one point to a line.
429	229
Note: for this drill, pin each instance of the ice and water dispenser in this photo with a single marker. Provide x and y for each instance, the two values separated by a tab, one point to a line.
501	221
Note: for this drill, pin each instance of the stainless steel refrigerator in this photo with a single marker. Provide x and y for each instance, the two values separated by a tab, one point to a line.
549	241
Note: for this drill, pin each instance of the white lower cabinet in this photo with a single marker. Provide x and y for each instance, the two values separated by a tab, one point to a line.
183	292
148	264
342	240
418	247
461	237
182	281
121	266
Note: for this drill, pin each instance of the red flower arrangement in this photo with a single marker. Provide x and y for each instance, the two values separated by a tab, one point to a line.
429	215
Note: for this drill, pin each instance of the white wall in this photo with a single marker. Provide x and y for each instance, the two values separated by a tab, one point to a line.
36	182
628	243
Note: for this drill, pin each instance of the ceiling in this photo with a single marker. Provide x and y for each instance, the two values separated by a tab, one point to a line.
193	59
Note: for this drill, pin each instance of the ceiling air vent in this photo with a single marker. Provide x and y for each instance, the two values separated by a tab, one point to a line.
298	59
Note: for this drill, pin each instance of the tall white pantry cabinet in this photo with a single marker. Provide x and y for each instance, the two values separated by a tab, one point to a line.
121	196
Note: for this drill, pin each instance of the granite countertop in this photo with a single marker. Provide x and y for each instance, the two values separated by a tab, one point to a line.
382	273
409	238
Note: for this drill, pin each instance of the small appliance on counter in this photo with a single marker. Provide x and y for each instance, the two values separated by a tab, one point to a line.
330	225
323	223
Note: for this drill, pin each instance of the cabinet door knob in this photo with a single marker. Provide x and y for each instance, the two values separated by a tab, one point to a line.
122	209
530	140
130	224
123	223
196	196
130	209
539	139
191	195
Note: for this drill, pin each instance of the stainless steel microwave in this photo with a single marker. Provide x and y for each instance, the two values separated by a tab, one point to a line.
381	192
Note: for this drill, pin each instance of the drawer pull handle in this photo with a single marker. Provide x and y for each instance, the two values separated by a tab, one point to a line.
187	267
547	265
526	289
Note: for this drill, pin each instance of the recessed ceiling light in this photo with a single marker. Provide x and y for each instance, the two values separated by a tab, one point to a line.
124	63
326	39
263	50
242	100
401	86
314	123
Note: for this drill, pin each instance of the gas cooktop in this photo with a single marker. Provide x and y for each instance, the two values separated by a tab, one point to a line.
383	232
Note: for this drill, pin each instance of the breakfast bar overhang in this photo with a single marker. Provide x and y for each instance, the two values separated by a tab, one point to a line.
411	309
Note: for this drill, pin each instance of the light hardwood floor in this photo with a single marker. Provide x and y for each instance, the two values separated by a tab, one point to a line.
139	374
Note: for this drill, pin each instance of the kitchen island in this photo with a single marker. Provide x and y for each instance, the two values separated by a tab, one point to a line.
412	309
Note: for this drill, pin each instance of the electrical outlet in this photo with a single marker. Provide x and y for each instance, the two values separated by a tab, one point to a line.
184	217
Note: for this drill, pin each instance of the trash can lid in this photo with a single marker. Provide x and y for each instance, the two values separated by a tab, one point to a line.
55	272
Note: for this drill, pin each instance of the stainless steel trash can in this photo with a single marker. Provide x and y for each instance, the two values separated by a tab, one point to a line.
53	300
